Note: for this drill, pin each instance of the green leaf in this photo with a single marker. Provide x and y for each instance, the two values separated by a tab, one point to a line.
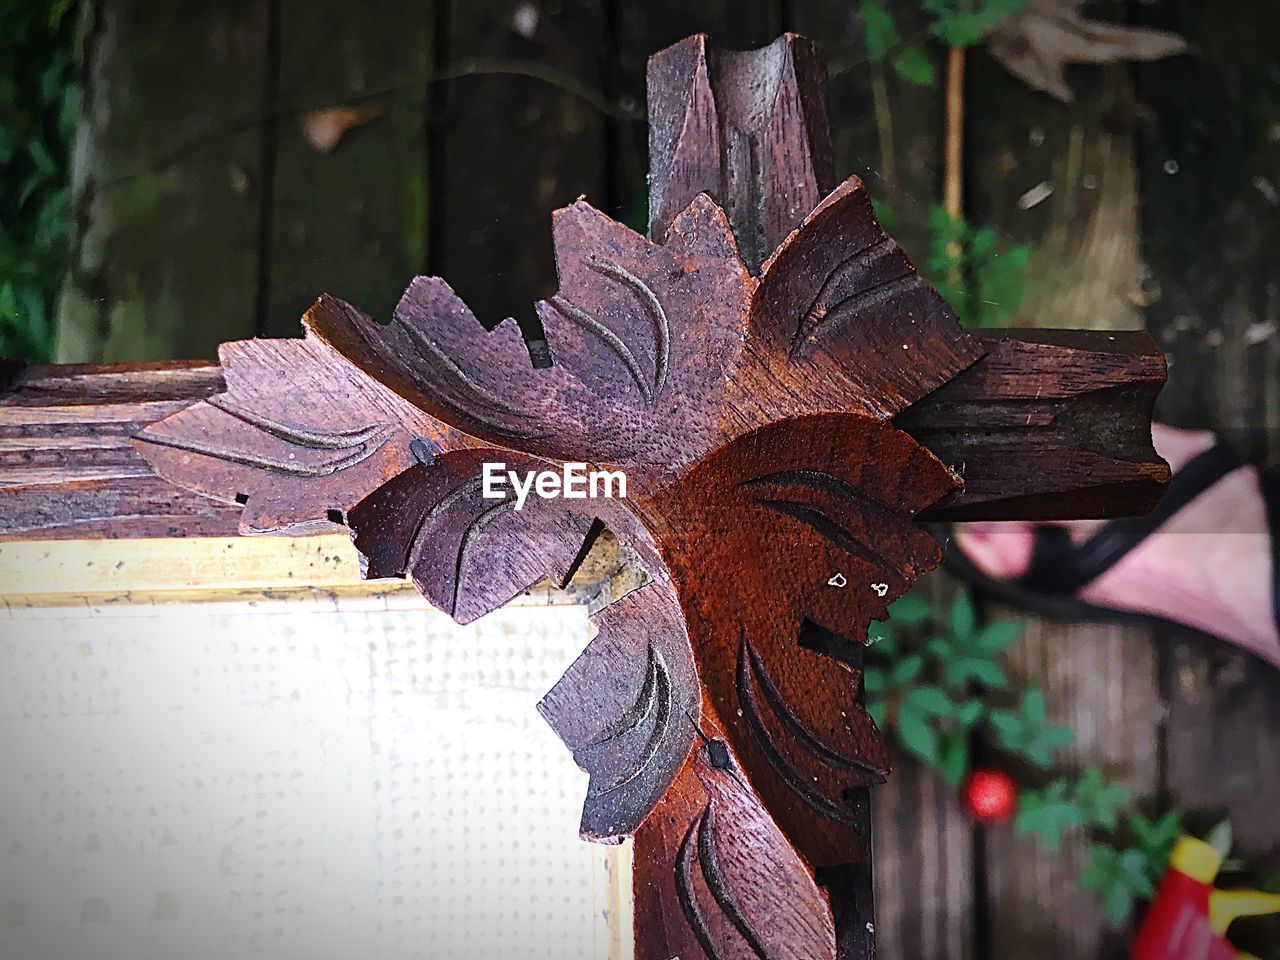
882	33
970	713
906	670
917	725
1099	803
927	701
874	681
1026	733
960	618
962	23
1119	877
961	668
910	610
913	66
1048	813
1156	839
918	736
953	756
999	636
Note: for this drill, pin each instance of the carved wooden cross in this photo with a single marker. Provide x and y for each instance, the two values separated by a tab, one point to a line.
786	398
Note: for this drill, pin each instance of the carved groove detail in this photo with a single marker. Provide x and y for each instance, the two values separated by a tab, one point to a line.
420	542
654	700
431	353
661	325
701	837
850	281
769	747
829	529
360	444
585	321
473	532
786	715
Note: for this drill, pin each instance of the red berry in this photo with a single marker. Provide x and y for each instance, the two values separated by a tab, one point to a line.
989	796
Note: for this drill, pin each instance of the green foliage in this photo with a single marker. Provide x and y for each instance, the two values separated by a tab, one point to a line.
983	282
1120	876
969	653
961	23
1048	813
886	45
39	105
982	279
1026	731
934	682
1099	803
957	23
1065	804
1155	838
926	691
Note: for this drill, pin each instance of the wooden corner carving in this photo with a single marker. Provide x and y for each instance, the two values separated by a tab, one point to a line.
785	397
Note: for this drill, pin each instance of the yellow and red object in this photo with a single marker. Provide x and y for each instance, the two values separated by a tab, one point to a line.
1189	918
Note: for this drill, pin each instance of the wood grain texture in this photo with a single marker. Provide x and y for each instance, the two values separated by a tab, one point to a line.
1102	683
1218	316
67	464
749	128
169	183
352	221
1078	399
1089	382
743	365
646	366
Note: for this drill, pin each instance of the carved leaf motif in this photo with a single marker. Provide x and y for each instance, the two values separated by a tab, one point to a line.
840	301
631	318
814	537
738	882
298	435
468	554
640	663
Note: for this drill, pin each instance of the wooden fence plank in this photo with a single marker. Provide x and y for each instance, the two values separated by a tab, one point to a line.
1061	177
1210	170
351	222
1101	681
519	137
883	128
168	185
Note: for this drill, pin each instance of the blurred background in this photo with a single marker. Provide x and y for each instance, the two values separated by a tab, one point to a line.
174	175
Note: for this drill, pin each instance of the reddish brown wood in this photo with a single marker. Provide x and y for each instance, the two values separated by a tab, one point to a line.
776	382
747	128
66	469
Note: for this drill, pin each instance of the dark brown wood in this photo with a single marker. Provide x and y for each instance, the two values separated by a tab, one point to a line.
743	366
747	128
978	424
1050	424
68	468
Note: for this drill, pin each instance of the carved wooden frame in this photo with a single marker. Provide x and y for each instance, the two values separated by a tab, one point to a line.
786	397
